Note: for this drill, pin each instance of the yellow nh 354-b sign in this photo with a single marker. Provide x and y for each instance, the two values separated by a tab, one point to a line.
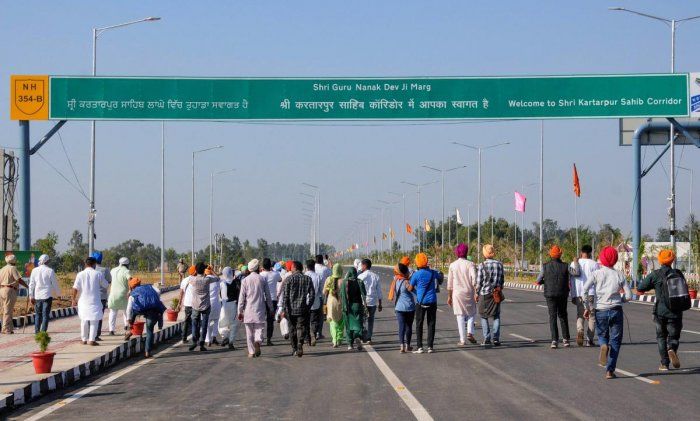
29	97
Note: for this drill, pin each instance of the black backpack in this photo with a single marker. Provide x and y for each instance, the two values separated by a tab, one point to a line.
676	293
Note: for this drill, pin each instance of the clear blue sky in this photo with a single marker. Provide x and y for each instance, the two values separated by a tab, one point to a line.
355	166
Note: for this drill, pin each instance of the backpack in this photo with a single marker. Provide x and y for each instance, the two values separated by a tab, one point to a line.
146	300
676	295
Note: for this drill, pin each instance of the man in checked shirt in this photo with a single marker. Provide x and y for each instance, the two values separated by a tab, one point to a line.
488	289
298	295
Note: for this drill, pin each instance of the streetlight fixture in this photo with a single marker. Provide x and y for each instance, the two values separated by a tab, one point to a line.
211	213
318	215
96	32
193	156
479	149
403	228
690	228
419	187
673	24
442	172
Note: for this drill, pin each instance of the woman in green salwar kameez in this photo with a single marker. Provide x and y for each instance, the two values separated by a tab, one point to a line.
334	305
352	293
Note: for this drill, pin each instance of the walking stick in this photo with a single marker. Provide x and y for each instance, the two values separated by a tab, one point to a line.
26	316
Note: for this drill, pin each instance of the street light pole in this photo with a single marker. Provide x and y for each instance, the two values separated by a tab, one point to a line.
96	32
403	230
479	149
691	219
211	214
162	203
193	156
673	24
418	187
317	231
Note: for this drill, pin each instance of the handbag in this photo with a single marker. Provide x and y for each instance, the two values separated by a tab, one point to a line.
498	295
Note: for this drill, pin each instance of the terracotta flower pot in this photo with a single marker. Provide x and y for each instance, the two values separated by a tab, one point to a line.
171	315
137	328
43	361
693	294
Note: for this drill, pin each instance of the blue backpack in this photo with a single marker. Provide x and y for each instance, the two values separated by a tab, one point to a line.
146	300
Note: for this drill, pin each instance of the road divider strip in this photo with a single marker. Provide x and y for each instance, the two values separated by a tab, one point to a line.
59	380
413	404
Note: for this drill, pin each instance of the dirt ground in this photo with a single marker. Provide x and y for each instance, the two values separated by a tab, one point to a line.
65	281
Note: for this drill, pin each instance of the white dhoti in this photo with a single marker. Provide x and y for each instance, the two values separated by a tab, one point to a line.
214	314
228	320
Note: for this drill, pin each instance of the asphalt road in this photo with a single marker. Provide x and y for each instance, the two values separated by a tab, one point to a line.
520	380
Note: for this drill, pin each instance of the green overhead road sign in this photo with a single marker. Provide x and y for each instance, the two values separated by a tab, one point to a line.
163	98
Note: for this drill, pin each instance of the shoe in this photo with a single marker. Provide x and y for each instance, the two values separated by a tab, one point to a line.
231	347
675	362
98	339
207	343
269	343
214	342
350	348
335	345
294	353
588	344
461	343
185	341
554	345
402	350
430	350
224	342
286	337
300	352
409	348
111	333
92	343
610	375
313	342
257	349
192	347
369	342
603	357
663	367
579	338
486	342
202	348
359	345
251	355
84	342
566	343
496	343
147	355
418	351
471	338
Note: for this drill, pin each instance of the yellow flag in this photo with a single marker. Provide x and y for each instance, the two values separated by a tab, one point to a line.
428	228
391	232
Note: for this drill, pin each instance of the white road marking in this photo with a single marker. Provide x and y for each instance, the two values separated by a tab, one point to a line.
690	331
522	337
86	391
416	408
540	305
689	352
636	376
508	300
441	310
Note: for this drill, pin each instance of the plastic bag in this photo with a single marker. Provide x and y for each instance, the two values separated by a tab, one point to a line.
284	326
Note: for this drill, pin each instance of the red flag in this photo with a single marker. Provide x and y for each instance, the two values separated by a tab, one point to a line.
577	183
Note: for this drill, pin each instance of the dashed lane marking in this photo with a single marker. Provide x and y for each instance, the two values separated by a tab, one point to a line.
524	338
416	408
540	305
637	376
690	331
441	310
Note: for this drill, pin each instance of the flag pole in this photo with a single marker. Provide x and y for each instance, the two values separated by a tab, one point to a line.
576	221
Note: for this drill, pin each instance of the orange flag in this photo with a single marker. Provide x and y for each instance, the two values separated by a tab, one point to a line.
577	183
383	236
409	229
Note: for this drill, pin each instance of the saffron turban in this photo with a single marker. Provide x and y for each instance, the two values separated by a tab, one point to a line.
421	260
488	251
555	252
666	257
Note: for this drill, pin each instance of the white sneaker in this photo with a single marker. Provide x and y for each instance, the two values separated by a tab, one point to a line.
418	351
430	350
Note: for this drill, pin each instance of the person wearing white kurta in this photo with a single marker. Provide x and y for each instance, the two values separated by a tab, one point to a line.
254	303
230	287
88	284
461	287
215	312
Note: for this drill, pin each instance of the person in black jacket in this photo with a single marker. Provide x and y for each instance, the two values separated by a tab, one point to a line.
555	278
297	296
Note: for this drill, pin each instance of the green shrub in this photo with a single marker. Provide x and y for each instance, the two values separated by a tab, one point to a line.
43	339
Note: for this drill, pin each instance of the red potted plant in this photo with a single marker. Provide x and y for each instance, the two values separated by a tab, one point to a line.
693	289
43	360
171	313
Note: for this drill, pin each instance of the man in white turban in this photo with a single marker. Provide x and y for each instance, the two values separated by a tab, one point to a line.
118	294
88	283
43	285
254	303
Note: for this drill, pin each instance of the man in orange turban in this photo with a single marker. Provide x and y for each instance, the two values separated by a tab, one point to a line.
144	300
555	278
489	283
185	301
424	282
405	260
668	314
134	282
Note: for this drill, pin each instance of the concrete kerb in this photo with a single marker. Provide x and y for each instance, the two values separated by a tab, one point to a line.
63	312
59	380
